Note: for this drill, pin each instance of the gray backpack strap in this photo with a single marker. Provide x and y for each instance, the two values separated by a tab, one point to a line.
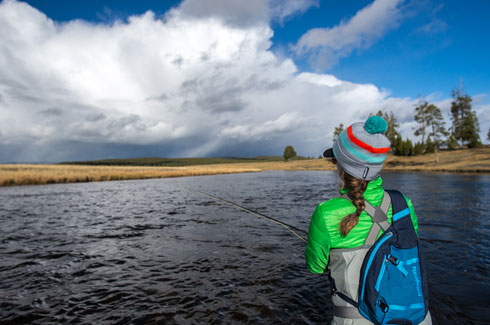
379	216
346	312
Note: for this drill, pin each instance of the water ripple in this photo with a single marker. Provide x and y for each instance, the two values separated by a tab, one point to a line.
150	252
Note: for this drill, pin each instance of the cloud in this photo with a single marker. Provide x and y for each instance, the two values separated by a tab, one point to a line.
281	10
240	13
436	26
233	12
326	46
174	86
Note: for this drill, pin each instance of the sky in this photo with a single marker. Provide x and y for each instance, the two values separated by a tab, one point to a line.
83	80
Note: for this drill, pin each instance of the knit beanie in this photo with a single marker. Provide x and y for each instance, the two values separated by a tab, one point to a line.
361	149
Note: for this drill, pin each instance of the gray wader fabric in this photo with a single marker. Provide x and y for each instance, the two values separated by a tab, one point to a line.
345	268
349	321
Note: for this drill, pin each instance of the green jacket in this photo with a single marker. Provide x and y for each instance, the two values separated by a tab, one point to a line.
324	231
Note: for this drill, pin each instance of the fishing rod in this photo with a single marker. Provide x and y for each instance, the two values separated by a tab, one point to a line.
257	214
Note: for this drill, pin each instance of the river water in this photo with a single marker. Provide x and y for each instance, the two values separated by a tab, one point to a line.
151	252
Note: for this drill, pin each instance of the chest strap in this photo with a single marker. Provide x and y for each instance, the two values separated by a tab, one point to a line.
379	216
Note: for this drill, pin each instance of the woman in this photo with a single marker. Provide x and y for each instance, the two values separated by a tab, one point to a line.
339	227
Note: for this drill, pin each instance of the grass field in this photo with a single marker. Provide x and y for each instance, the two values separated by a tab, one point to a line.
468	160
463	161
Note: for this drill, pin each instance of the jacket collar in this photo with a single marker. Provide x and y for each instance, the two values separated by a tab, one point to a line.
372	185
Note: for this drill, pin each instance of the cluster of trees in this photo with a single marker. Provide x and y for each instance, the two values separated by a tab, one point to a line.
431	129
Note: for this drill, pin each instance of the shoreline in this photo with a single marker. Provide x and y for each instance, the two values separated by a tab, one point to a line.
466	161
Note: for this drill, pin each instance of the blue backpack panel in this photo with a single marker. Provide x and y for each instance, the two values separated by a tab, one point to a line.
393	286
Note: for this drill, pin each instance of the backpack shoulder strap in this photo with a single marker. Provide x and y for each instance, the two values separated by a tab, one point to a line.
402	220
379	216
401	211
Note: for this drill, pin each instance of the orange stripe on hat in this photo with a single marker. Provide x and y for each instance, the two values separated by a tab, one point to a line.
365	145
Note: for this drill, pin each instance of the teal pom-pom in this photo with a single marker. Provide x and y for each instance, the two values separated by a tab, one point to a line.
375	124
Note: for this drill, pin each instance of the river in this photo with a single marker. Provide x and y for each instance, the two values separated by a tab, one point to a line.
151	251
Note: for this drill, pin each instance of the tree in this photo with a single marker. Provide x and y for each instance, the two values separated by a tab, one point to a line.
430	147
418	149
289	153
465	122
435	125
488	134
421	116
403	147
391	132
472	128
339	129
398	146
452	143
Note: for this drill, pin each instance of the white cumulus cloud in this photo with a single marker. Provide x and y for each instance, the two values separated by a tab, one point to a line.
185	84
327	45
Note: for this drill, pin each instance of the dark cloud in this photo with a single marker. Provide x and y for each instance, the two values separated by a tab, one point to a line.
239	13
70	150
178	61
160	98
224	92
233	12
215	94
95	117
262	147
53	111
131	120
23	94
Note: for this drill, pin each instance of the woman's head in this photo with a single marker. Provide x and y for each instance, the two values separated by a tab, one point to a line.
361	149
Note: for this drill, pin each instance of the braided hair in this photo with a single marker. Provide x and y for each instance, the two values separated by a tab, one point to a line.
356	189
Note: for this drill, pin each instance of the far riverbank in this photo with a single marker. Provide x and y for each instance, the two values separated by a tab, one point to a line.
454	161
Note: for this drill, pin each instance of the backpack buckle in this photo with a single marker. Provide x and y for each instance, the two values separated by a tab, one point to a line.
393	260
384	307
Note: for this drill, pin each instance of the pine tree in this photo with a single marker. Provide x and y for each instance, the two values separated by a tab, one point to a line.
471	130
430	146
452	143
391	132
409	148
403	147
418	149
338	130
398	145
465	123
435	123
421	116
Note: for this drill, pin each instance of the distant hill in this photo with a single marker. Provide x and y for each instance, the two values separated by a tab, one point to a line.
172	162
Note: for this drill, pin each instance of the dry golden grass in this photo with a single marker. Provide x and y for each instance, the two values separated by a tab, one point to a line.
474	160
49	174
465	161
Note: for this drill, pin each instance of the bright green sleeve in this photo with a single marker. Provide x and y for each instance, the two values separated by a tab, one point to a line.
318	246
412	215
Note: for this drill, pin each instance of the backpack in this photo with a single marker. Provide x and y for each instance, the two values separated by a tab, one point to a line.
392	285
